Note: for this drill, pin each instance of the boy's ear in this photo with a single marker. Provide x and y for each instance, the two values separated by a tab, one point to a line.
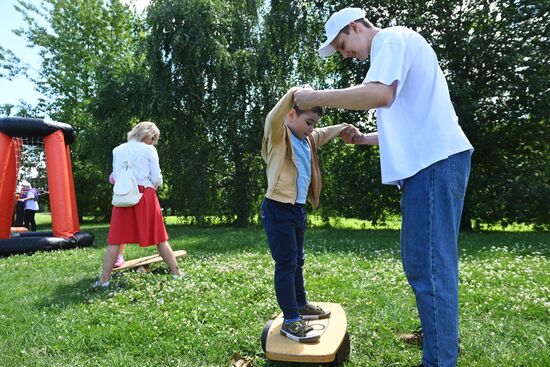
291	115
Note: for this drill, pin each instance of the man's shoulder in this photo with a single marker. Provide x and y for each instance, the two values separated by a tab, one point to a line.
408	39
398	34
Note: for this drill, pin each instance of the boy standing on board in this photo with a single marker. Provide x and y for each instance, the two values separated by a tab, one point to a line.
289	148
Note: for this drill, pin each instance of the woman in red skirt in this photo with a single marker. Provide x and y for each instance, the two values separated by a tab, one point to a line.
141	223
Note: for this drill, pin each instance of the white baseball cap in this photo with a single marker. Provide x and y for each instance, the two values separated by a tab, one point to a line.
334	25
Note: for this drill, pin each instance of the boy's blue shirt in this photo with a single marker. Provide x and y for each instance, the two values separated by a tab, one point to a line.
302	152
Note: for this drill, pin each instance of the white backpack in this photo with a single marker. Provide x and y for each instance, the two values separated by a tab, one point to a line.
125	191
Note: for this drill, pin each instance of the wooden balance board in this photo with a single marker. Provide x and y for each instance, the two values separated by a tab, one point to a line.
144	262
333	346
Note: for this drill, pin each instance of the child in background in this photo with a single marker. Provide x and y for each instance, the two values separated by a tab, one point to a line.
29	197
289	149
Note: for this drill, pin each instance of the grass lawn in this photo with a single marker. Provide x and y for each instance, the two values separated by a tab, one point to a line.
49	315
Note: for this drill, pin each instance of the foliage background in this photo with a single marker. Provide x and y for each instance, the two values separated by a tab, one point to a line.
208	71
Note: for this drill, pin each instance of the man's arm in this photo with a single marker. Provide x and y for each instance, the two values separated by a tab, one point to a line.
274	122
360	97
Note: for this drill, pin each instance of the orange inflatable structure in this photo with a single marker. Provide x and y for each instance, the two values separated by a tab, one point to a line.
65	225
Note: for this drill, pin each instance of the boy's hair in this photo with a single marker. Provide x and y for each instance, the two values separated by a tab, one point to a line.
144	130
317	109
363	21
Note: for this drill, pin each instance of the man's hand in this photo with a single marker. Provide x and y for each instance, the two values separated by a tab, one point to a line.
305	98
352	135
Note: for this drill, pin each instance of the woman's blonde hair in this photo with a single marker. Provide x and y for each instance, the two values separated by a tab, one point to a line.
143	130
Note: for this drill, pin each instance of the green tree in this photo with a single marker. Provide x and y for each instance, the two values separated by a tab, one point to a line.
10	65
5	109
202	70
499	76
208	71
87	49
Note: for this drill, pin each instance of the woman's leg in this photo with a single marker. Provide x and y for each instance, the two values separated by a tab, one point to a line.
120	256
165	251
121	249
108	263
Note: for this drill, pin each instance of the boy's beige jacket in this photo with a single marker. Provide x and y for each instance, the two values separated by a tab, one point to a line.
277	152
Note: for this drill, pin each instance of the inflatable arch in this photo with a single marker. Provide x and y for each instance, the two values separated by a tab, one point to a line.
65	226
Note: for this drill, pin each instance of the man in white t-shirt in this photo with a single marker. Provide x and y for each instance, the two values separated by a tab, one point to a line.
422	149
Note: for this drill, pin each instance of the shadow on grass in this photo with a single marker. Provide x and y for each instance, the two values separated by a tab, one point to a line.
365	242
68	295
82	292
369	243
222	240
225	239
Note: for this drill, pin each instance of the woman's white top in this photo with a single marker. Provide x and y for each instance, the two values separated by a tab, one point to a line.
420	127
145	161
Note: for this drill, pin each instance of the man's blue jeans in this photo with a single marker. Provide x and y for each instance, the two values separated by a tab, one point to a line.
285	227
431	206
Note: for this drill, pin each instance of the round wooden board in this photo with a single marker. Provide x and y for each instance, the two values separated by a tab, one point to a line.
281	348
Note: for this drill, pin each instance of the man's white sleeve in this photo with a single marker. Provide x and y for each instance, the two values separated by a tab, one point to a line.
388	65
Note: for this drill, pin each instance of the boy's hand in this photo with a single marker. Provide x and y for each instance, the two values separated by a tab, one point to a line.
351	135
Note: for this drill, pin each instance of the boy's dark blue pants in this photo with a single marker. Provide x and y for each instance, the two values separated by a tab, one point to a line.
285	226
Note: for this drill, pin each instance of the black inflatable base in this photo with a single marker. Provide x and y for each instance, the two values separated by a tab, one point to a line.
29	242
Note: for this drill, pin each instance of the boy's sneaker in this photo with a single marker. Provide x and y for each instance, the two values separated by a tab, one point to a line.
313	312
299	331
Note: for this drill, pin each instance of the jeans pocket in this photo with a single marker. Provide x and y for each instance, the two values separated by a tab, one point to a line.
303	218
262	214
460	171
266	213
